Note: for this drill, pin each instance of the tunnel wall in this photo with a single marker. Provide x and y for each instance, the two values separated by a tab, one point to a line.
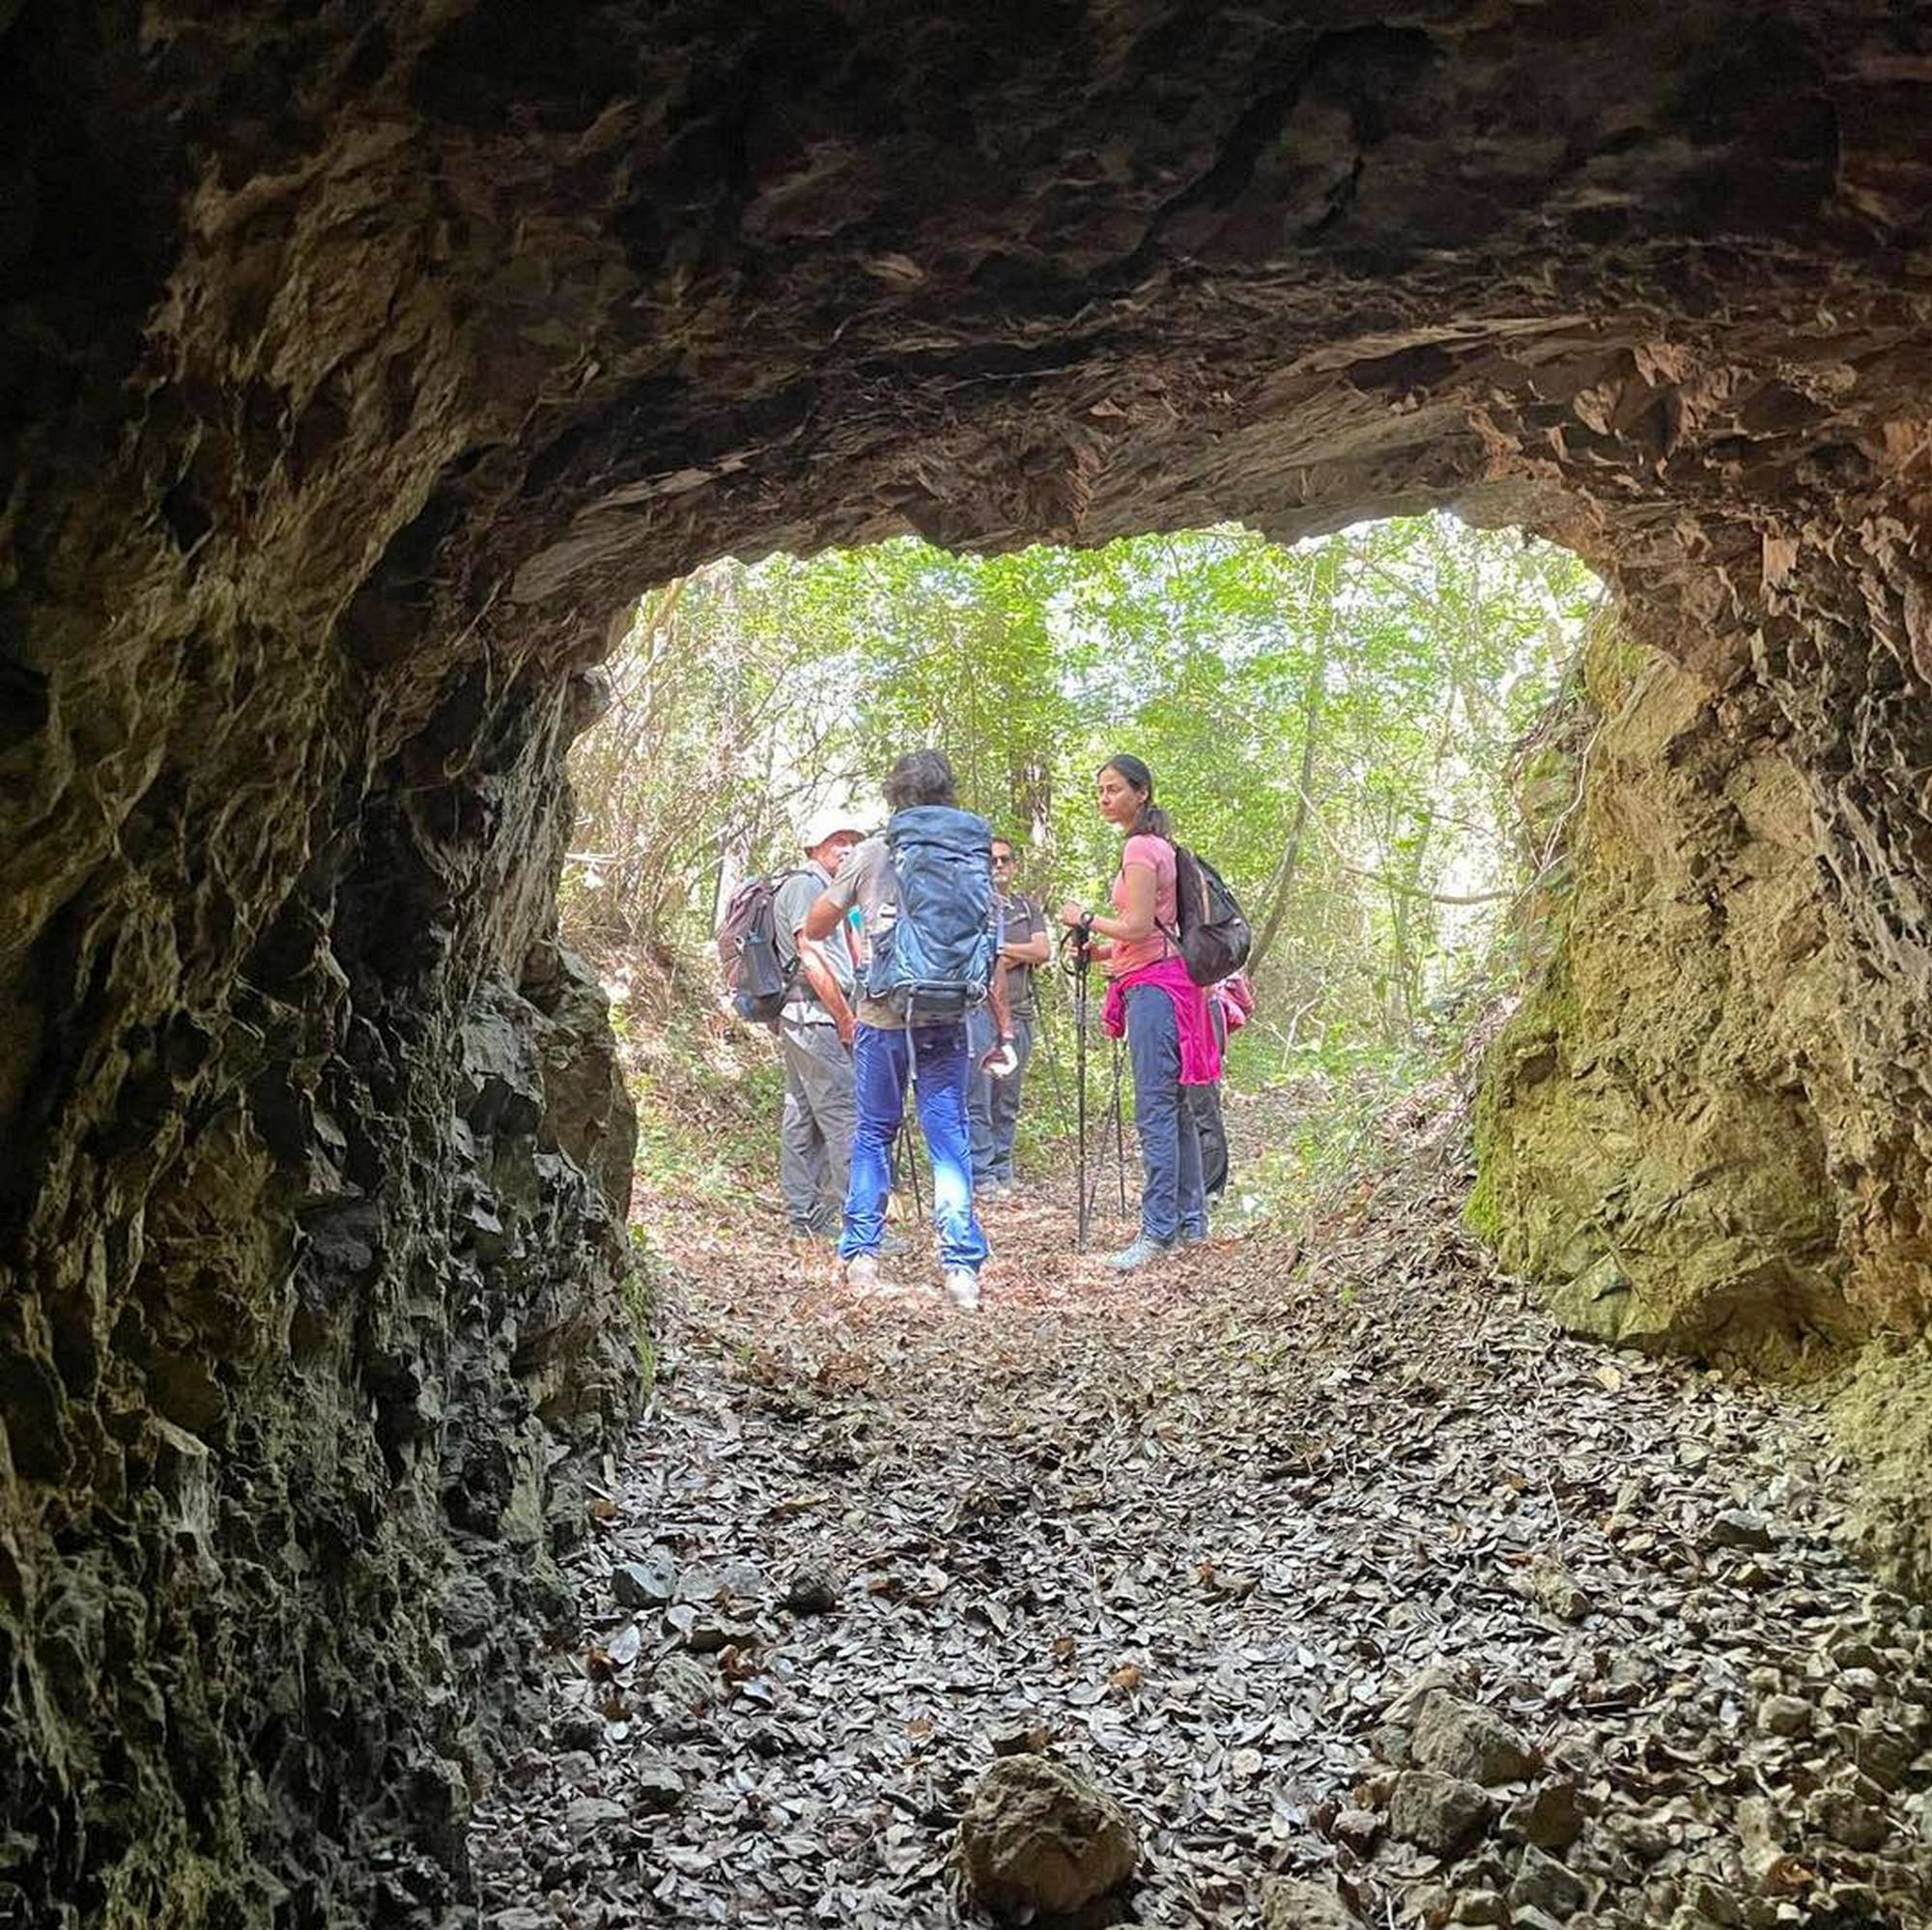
358	358
1700	1131
1690	1135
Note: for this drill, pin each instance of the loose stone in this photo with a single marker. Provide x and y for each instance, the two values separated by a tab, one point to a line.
1738	1528
1884	1753
1542	1883
813	1590
645	1584
1784	1715
1435	1812
1289	1903
1358	1828
1037	1837
1841	1816
585	1816
1551	1586
1550	1817
1854	1652
1481	1906
1461	1739
1711	1903
659	1788
679	1685
709	1633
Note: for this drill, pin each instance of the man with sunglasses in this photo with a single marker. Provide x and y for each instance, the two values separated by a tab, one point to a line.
993	1105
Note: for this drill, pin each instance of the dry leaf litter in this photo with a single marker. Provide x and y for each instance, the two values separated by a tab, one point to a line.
1365	1594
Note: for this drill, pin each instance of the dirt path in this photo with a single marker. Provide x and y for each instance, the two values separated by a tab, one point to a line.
1204	1526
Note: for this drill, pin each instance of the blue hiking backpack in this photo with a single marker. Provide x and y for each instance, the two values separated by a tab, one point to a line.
934	957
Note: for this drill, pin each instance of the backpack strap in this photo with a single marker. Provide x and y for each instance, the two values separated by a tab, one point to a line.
1171	938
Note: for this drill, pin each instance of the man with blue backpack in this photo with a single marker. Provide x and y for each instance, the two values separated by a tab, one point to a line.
925	887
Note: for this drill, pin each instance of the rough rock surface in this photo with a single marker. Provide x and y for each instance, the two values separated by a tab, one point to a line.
1289	1903
1442	1814
1675	1136
1463	1739
358	359
1038	1838
1679	1137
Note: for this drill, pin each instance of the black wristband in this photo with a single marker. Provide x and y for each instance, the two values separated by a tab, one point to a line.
1085	924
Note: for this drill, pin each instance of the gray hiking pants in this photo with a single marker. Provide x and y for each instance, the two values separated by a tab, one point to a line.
815	1126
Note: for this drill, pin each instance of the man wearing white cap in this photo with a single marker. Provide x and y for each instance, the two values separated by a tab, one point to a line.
815	1037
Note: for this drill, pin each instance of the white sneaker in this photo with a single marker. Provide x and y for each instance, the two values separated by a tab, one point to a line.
862	1273
1137	1254
962	1289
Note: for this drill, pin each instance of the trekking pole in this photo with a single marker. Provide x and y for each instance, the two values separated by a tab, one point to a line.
908	1150
1074	961
1119	1133
1120	1155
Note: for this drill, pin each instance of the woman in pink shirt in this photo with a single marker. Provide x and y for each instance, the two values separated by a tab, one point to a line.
1162	1010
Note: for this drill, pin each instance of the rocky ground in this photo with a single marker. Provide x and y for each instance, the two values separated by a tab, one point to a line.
1365	1594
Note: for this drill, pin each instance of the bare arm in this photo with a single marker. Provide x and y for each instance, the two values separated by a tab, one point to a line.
825	988
995	997
1136	922
1034	950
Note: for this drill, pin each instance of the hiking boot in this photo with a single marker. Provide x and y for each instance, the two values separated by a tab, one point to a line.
1193	1236
862	1273
962	1289
1141	1252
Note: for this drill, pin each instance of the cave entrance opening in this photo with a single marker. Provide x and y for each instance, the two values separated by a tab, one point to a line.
1375	734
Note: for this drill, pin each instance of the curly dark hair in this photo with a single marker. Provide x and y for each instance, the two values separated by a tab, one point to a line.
919	778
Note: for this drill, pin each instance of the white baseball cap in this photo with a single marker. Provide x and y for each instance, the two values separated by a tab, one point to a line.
828	821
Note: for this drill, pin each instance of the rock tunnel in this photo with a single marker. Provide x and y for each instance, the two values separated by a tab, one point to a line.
358	358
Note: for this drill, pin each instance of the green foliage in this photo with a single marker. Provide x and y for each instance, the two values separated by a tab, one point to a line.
1333	725
1327	1126
636	1295
707	1103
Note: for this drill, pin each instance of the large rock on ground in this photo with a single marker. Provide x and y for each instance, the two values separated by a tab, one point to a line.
1289	1903
1464	1739
1442	1814
1038	1836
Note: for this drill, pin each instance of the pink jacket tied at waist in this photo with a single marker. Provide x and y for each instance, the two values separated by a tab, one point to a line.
1199	1056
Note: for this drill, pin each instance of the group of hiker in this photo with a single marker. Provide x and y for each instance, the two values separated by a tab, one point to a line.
908	956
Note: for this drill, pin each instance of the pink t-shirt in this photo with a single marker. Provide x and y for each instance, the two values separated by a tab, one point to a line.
1157	854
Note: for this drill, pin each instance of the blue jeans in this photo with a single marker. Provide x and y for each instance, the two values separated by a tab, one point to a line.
936	1057
993	1105
1171	1196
